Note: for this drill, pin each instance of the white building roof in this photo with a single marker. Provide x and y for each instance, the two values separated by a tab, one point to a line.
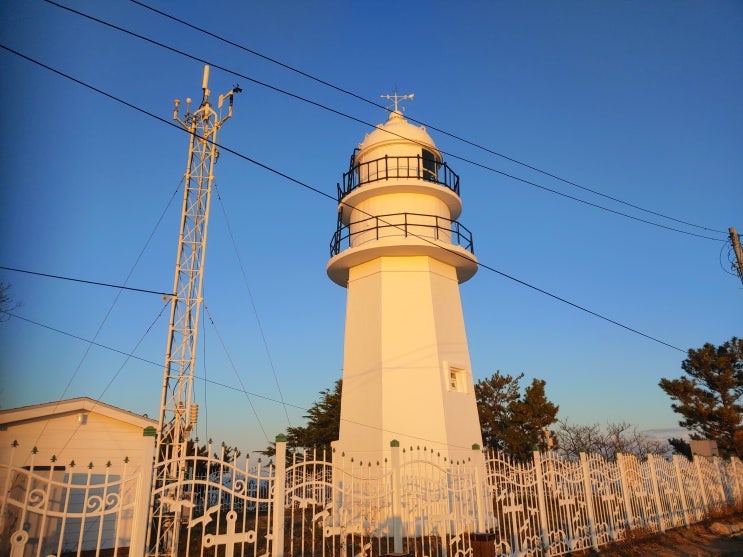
71	406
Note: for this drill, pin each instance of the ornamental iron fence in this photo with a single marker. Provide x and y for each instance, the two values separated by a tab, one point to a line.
310	504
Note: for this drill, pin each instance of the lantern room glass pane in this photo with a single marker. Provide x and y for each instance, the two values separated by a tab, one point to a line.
430	166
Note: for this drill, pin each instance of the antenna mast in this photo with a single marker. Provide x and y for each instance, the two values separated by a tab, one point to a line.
178	412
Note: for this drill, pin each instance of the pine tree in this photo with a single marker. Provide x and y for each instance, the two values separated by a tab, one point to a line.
709	397
323	424
531	416
494	398
512	423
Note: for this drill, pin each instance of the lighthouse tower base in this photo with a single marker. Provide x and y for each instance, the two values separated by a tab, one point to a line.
407	374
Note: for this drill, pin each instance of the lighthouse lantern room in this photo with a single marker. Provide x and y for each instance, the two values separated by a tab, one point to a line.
401	254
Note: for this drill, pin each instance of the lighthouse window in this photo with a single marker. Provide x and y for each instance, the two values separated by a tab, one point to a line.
430	166
456	379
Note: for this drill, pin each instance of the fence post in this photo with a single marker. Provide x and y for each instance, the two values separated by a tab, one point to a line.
737	499
396	493
679	480
589	499
720	481
702	487
656	493
730	482
279	494
544	532
738	479
6	485
479	464
626	491
138	543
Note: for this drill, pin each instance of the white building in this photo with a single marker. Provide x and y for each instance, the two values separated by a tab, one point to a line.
76	473
401	255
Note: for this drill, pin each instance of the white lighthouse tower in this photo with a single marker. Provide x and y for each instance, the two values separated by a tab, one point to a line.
401	254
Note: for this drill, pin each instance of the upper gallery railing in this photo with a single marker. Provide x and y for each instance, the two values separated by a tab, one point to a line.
387	167
401	224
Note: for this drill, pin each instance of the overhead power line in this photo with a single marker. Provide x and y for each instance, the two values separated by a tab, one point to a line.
427	125
132	356
240	389
320	192
119	286
371	125
252	300
129	355
60	331
237	374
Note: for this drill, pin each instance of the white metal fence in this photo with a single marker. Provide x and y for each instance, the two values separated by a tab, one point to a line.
56	508
415	502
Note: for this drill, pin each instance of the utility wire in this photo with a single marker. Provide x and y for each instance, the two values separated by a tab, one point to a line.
252	300
119	286
371	125
237	374
241	389
203	349
429	126
730	259
76	337
129	355
110	310
320	192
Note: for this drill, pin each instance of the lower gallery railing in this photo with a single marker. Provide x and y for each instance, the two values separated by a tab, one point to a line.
311	504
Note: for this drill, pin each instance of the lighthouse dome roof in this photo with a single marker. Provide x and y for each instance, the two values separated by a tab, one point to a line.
397	130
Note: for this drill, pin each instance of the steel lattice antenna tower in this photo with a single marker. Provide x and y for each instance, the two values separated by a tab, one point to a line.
178	413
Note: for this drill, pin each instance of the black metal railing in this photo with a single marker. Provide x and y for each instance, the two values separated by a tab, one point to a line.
386	168
403	224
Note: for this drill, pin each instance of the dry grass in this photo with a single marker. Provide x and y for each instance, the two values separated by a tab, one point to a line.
695	541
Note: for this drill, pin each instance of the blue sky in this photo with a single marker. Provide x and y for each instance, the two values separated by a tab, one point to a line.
639	101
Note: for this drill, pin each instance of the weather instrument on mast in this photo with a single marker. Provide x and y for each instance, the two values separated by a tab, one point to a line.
178	412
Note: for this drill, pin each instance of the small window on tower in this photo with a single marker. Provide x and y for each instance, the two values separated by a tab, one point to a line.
456	379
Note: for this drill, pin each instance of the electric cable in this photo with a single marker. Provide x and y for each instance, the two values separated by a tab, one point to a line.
131	355
369	124
128	355
76	337
322	193
96	283
237	374
111	307
204	360
240	389
252	300
429	126
730	259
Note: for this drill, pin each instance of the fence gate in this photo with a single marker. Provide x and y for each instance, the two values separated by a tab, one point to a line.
225	509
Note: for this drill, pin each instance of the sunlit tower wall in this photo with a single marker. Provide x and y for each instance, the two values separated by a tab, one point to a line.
178	411
401	254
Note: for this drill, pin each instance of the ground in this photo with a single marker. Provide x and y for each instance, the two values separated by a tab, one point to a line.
698	540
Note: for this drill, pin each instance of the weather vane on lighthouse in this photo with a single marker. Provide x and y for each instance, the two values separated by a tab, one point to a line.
397	98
